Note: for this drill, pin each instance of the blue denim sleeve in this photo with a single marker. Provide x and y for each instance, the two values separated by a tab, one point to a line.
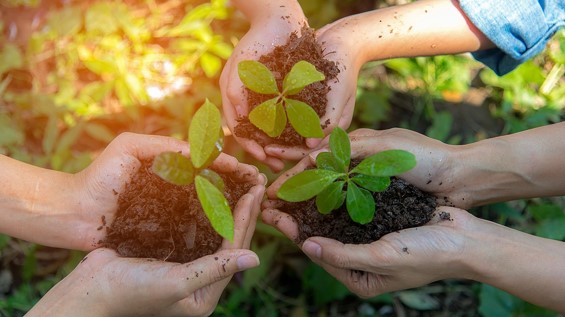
519	28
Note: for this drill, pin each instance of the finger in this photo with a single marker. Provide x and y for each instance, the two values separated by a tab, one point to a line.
212	268
144	146
242	218
282	222
337	254
258	193
286	152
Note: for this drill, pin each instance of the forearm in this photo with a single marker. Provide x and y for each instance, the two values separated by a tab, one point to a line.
35	203
261	12
421	28
526	266
516	166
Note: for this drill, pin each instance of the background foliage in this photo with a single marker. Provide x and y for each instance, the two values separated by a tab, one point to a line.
74	76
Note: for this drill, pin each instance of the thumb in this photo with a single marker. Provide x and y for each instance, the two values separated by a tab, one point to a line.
216	267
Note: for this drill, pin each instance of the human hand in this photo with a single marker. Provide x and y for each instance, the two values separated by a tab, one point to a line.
269	28
434	171
405	259
96	189
104	284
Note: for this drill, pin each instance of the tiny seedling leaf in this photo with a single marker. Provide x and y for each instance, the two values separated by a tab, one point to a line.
174	168
340	146
303	119
386	163
307	184
214	178
301	75
330	198
215	207
372	183
269	117
327	161
360	204
257	77
203	134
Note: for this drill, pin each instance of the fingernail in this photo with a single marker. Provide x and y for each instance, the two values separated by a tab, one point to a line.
312	249
247	261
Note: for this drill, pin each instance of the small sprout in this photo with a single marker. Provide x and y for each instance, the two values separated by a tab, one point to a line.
205	137
271	115
332	183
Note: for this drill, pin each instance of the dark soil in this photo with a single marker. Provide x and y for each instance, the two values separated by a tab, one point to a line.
401	206
156	219
280	62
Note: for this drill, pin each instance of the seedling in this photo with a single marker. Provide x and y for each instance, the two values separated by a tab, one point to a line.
271	115
333	183
205	137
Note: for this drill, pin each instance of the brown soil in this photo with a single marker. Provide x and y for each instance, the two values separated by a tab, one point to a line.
401	206
156	219
280	62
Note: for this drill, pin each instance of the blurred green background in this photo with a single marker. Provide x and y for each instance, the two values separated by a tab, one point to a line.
74	74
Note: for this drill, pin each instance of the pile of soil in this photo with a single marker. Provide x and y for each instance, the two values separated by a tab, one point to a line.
399	207
280	62
156	219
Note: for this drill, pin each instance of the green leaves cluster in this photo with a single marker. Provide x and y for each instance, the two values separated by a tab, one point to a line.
333	183
271	115
205	138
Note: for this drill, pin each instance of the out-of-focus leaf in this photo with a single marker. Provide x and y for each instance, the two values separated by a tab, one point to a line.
211	64
50	135
441	126
10	133
65	22
418	300
253	276
10	58
100	18
99	132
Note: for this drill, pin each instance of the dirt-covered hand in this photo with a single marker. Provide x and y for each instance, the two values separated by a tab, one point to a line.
104	284
271	25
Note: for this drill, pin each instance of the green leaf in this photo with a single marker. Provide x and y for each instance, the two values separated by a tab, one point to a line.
66	22
386	163
303	119
360	204
215	207
269	117
214	178
10	57
301	75
372	183
327	161
203	134
418	300
340	146
99	132
257	77
307	184
100	19
332	197
173	167
211	64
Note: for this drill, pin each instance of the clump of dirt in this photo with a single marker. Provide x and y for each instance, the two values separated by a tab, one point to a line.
399	207
156	219
280	62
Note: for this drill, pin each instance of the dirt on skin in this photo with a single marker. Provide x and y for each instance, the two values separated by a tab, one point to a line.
280	62
156	219
399	207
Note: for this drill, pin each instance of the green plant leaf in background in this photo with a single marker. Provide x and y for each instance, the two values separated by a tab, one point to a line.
215	207
10	57
203	134
303	119
340	147
360	204
257	77
386	163
173	167
307	184
301	75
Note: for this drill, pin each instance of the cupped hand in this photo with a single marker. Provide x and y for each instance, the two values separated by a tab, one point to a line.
400	260
104	284
263	36
97	187
434	173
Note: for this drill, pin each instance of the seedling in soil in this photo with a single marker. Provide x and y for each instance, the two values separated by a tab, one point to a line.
205	137
271	115
333	183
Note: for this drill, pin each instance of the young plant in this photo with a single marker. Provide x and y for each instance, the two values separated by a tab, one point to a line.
205	137
333	183
271	115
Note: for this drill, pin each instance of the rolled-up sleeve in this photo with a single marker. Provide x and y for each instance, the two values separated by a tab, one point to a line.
520	29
